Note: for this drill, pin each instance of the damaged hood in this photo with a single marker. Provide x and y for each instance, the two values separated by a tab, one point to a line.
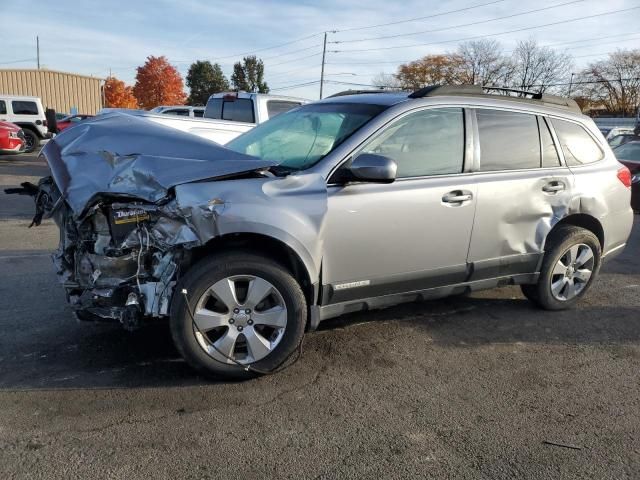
126	155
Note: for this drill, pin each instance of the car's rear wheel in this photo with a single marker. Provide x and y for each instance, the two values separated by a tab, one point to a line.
571	263
31	140
243	310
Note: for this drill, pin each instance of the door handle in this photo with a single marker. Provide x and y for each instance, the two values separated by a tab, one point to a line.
553	187
457	197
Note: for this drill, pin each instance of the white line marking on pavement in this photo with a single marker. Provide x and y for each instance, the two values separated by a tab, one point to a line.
28	255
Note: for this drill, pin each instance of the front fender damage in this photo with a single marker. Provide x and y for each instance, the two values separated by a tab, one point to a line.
121	259
129	222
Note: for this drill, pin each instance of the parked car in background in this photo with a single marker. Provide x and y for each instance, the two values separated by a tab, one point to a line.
11	138
71	120
351	203
180	110
615	131
621	139
28	114
227	115
629	155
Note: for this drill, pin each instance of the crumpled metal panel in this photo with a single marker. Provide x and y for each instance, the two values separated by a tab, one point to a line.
126	155
291	209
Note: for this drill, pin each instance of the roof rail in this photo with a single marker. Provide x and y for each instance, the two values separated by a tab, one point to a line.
360	92
522	95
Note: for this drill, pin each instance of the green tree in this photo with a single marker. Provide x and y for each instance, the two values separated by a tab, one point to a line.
203	80
248	75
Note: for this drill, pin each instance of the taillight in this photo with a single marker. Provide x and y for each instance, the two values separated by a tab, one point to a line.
624	175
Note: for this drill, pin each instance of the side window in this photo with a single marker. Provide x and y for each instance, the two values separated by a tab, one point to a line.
239	110
508	140
276	107
3	107
198	112
577	145
24	108
213	109
429	142
183	112
550	157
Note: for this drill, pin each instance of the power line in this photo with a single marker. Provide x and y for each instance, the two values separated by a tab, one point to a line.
591	39
271	47
290	72
587	82
479	22
297	59
393	62
415	19
292	52
296	86
18	61
490	34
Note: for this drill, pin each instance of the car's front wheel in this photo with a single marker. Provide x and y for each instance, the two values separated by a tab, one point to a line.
239	310
571	263
31	140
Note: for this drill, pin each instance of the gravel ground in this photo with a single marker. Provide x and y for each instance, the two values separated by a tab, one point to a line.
468	387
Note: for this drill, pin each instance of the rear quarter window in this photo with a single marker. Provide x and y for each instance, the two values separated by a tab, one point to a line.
578	146
24	108
3	107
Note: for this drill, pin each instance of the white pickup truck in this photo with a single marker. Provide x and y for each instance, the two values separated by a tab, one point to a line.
226	115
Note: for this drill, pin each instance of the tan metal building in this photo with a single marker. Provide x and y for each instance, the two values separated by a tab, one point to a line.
61	91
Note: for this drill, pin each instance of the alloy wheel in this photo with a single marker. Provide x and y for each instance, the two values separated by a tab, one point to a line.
241	317
572	272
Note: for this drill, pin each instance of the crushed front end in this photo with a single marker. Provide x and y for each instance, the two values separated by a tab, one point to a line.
115	262
124	236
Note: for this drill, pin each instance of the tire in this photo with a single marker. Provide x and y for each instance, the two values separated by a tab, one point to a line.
32	141
208	285
570	265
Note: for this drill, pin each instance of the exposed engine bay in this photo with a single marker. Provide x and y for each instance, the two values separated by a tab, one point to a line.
118	262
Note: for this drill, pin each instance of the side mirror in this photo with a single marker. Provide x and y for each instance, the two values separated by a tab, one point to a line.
369	167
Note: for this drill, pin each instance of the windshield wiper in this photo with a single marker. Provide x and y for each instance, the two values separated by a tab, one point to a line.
282	170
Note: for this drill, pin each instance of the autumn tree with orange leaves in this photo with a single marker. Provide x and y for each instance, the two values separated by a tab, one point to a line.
158	83
118	95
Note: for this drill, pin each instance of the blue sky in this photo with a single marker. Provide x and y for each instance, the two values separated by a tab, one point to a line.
93	37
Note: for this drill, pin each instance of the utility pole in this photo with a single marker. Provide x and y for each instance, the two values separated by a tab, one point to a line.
38	50
324	52
570	85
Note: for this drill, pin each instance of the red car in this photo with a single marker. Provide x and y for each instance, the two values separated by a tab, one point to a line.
11	138
70	121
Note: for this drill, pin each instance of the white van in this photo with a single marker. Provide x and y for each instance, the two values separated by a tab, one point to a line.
27	112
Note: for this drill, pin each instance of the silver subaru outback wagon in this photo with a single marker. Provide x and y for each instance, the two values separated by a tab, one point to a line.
355	202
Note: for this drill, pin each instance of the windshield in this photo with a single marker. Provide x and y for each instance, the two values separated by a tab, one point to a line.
298	139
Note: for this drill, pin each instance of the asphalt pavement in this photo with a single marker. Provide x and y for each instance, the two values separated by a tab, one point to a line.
478	387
